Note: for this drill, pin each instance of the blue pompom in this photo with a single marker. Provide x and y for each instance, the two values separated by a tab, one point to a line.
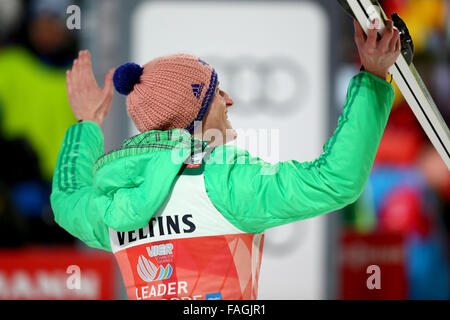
126	77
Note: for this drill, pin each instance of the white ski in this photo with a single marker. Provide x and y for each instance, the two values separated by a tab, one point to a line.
406	77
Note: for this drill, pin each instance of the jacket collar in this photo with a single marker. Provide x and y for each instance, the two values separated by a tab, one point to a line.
153	141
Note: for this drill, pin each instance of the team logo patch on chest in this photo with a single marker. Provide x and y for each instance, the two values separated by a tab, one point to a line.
151	267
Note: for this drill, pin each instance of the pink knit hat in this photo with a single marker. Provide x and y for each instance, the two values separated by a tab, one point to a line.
168	92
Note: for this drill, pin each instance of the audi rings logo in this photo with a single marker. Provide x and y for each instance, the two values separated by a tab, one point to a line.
148	271
276	85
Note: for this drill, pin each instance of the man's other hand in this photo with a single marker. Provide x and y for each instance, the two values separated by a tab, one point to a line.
377	56
87	100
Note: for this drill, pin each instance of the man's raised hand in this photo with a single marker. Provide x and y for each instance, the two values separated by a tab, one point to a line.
377	56
87	100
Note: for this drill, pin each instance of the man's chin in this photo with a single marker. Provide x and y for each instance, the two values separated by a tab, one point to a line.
231	135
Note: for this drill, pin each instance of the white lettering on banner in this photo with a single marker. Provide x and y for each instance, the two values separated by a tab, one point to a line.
147	292
3	287
361	254
21	286
44	284
50	286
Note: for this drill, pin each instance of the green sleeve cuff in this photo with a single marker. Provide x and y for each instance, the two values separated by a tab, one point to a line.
379	81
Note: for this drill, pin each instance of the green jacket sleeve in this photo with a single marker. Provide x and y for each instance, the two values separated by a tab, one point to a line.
72	197
255	195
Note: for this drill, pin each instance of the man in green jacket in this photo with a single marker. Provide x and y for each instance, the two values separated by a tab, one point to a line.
183	213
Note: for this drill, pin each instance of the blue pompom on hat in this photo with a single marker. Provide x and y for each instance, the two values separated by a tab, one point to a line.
126	77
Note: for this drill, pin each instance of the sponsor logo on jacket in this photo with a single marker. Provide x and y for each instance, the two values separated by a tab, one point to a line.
149	272
159	226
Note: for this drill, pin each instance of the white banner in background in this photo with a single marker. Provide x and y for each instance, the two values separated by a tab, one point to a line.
271	57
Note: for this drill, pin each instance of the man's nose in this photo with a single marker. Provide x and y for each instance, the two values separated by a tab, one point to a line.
228	101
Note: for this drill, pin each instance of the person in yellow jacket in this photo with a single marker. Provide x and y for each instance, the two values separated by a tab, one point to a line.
33	99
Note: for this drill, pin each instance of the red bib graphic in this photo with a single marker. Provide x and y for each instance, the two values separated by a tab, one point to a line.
188	250
215	267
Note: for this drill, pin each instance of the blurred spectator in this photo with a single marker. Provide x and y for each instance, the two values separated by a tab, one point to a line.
10	17
33	99
408	192
34	115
